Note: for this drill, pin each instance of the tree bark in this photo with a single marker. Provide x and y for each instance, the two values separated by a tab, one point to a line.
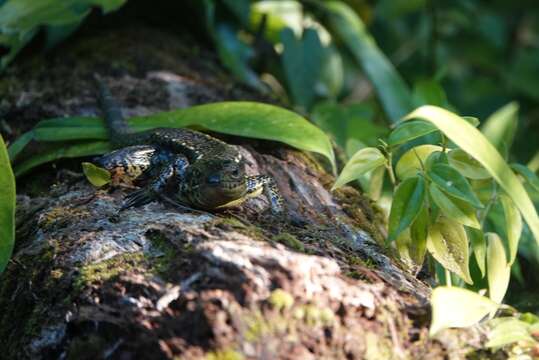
87	282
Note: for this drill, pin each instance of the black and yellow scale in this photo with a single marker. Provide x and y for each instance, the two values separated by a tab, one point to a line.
188	167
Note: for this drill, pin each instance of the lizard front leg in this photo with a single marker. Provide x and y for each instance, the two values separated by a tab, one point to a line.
264	183
173	170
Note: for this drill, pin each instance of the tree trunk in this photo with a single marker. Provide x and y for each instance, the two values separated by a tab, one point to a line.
87	282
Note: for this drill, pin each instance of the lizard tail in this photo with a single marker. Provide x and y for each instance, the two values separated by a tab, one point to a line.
114	120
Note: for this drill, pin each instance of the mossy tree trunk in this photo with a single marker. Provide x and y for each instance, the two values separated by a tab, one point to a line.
87	282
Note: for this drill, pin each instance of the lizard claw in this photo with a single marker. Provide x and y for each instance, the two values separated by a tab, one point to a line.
137	198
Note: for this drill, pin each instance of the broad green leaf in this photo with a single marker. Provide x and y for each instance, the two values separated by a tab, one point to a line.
410	130
479	247
20	19
249	119
407	202
508	331
363	161
96	176
18	145
86	148
498	270
302	63
414	160
418	233
448	244
454	208
529	176
466	165
453	183
456	307
513	226
474	143
392	91
500	127
7	207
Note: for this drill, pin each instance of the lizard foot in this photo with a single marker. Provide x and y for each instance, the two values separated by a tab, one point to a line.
137	198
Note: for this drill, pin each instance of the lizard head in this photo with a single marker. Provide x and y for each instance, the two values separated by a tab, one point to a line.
216	182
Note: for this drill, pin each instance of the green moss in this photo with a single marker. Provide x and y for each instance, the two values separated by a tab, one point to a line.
289	240
280	299
377	347
225	354
161	264
105	270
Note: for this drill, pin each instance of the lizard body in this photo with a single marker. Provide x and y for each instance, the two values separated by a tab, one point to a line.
197	169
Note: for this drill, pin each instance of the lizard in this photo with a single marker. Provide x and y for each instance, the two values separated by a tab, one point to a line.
189	168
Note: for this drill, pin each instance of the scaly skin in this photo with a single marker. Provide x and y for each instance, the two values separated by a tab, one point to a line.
188	166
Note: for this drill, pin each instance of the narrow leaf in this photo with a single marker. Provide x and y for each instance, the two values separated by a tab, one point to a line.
419	233
529	176
456	307
18	145
453	183
513	226
7	207
67	151
474	143
454	208
498	271
392	91
249	119
407	202
479	247
501	126
363	161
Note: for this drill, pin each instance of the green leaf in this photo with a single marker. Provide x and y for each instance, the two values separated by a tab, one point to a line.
20	19
302	64
419	233
407	202
508	331
7	207
454	208
456	307
448	244
472	120
500	127
479	247
18	145
86	148
249	119
474	143
413	160
410	130
453	183
466	165
498	270
363	161
513	226
392	91
529	176
96	176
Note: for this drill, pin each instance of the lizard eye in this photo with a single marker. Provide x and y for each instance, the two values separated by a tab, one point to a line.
236	173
